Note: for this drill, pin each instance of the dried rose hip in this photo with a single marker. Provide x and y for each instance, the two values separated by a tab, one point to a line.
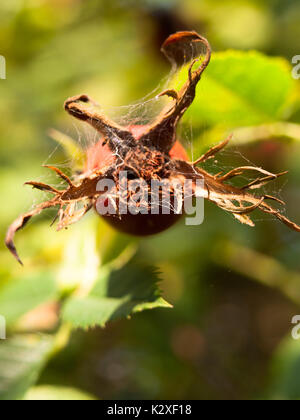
147	153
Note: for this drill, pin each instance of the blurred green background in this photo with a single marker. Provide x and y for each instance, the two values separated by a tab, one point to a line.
234	289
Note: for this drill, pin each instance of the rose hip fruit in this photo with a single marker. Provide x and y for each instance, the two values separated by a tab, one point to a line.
147	153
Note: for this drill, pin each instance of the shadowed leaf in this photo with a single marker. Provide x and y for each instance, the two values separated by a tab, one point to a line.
117	295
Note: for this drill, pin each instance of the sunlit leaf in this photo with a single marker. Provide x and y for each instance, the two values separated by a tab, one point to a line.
243	88
56	393
26	293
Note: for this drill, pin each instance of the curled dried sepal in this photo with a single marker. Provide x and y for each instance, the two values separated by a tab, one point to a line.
237	200
20	223
211	153
241	204
84	194
85	109
179	48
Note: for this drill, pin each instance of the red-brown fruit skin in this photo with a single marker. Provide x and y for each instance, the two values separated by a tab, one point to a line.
100	156
142	224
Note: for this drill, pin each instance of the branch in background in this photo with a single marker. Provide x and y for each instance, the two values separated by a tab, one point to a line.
267	131
259	267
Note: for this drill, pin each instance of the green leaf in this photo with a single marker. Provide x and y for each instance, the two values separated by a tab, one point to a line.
243	88
286	371
117	294
57	393
21	360
24	294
